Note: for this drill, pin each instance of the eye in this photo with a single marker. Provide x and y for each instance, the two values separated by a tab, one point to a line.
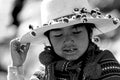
59	35
77	32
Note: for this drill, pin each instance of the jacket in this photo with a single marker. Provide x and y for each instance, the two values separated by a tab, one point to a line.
95	64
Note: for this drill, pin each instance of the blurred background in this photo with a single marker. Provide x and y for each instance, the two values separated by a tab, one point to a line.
17	15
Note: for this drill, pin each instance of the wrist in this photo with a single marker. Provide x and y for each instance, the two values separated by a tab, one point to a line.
16	65
16	70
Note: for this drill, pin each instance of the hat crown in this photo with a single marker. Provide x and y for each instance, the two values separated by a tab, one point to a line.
51	9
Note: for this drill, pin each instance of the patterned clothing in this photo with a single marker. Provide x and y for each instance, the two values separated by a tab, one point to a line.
93	65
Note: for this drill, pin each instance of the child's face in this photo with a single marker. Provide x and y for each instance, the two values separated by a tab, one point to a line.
69	42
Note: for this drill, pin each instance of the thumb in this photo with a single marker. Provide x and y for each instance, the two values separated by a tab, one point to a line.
15	44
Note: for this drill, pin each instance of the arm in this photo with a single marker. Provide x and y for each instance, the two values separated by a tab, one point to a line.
110	67
15	73
18	54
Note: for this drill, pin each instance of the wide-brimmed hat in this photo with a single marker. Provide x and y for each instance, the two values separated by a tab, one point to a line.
62	13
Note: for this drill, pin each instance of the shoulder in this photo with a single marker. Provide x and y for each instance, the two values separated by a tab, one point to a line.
104	67
110	68
106	55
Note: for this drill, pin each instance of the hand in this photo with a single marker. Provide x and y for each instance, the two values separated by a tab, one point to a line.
18	52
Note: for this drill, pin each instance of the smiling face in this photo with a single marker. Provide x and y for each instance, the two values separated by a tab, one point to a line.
69	42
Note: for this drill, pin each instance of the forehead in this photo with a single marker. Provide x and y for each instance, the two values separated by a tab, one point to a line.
72	27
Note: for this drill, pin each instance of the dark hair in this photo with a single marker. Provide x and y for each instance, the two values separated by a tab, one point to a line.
48	56
89	27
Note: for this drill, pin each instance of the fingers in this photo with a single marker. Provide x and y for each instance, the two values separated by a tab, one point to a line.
17	46
25	47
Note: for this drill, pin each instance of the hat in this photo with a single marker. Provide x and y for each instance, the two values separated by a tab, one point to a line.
62	13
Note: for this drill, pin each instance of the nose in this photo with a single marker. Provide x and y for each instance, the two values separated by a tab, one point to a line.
68	39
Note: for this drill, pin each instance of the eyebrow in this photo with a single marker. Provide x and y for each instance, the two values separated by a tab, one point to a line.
57	29
75	26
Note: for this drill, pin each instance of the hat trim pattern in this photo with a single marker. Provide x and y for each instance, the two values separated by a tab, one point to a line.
79	15
82	14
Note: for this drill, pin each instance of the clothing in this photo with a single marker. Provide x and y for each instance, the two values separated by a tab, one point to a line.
15	73
95	64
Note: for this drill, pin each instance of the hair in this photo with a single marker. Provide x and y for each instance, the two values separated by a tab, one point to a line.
89	27
48	55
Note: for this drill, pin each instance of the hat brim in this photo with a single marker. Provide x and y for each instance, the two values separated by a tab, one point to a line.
102	26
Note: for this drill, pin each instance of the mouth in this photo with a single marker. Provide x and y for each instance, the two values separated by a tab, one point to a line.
71	50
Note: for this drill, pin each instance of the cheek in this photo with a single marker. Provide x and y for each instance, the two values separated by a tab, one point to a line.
57	44
82	42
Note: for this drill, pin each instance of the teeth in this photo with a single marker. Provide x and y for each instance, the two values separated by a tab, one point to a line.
69	49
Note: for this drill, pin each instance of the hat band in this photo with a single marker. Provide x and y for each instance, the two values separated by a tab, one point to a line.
81	14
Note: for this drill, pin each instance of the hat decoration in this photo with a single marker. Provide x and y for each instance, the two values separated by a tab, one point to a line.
80	14
31	28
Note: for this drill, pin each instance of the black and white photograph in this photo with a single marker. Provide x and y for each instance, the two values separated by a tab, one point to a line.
60	40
